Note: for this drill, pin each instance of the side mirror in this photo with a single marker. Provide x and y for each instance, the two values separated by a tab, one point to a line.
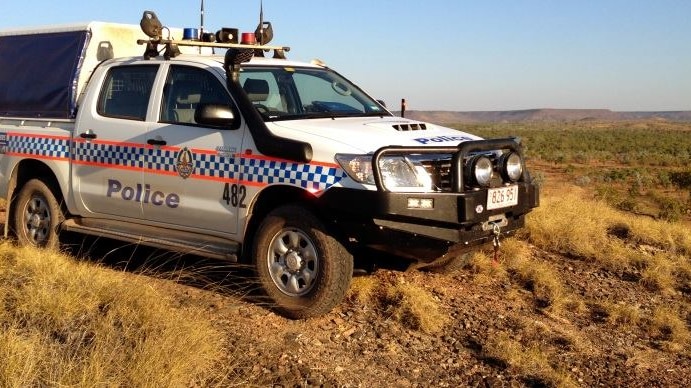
382	102
214	115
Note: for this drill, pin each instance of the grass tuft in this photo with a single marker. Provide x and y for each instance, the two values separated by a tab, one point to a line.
667	325
66	323
411	305
623	315
538	277
528	360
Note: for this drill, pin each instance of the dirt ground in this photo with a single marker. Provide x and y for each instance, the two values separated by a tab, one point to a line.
358	345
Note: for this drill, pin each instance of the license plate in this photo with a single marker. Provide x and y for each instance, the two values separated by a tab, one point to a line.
502	197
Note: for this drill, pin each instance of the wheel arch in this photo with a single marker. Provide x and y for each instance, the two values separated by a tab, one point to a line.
23	172
269	199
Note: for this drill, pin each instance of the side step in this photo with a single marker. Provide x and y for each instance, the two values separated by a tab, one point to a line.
174	240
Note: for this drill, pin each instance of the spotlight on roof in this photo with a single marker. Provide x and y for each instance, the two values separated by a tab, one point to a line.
151	26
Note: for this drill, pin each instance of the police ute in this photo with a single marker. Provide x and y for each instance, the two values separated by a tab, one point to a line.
218	145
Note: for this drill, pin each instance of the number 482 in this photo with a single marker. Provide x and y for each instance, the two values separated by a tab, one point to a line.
234	195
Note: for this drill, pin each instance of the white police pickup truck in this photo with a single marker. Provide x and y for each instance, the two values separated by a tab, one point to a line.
238	156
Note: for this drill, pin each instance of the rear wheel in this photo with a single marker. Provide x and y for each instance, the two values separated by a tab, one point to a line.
303	271
37	215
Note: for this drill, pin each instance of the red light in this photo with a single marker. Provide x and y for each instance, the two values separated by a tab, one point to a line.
248	38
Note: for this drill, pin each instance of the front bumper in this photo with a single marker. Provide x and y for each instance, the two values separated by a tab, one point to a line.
384	220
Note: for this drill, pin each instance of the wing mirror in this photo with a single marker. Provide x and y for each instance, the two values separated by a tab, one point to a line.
215	115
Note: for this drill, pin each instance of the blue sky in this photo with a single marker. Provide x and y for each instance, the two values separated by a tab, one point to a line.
624	55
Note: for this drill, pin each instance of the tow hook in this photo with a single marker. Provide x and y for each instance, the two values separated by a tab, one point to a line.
496	232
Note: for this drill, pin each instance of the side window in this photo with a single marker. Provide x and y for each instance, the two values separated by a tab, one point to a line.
126	91
186	88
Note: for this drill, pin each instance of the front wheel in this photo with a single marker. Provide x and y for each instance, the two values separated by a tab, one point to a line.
37	215
303	270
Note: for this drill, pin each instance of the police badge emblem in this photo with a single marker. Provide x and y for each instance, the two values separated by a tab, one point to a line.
185	163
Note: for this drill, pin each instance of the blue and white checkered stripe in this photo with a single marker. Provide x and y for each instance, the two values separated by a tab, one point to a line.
115	155
49	147
265	171
308	176
159	160
245	168
216	166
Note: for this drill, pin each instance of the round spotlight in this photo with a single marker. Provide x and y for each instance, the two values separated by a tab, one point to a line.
482	169
512	167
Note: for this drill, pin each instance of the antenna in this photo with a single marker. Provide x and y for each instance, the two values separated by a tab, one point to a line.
261	22
201	24
264	32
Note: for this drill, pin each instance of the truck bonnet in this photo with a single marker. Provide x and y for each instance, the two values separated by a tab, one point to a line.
369	134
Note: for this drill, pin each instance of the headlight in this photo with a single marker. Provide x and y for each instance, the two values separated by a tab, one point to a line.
481	170
512	167
398	173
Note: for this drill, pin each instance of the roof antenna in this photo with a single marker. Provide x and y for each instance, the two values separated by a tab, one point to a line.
264	32
261	22
201	25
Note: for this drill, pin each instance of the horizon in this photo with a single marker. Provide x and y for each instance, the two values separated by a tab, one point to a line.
538	109
446	55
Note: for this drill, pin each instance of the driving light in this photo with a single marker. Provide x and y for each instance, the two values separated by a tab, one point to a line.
481	169
421	203
512	167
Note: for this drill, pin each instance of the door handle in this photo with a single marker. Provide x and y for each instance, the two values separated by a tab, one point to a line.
88	135
156	142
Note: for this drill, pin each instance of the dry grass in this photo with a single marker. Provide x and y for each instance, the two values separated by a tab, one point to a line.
667	325
485	268
623	315
394	298
538	277
531	360
577	226
66	323
658	274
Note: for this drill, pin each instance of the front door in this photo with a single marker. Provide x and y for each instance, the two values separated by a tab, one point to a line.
191	170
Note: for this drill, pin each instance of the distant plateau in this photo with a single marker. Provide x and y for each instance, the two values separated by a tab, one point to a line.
538	115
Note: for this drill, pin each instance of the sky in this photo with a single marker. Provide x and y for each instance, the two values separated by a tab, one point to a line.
458	55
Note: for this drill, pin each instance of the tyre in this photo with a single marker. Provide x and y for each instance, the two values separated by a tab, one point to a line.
37	215
303	271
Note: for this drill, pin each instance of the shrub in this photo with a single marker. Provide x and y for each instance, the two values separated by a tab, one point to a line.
681	179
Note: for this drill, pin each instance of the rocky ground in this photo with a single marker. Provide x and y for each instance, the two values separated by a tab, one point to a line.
494	333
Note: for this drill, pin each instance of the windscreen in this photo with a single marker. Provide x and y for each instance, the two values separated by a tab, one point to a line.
285	93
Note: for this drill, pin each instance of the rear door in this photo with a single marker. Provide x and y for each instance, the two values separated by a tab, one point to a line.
110	141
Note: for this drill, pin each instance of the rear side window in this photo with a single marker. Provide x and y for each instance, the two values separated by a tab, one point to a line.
126	91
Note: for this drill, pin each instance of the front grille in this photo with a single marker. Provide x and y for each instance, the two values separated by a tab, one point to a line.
440	172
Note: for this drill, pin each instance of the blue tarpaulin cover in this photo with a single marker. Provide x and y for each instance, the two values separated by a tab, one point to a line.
39	72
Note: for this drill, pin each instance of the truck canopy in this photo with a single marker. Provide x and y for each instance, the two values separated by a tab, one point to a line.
44	70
